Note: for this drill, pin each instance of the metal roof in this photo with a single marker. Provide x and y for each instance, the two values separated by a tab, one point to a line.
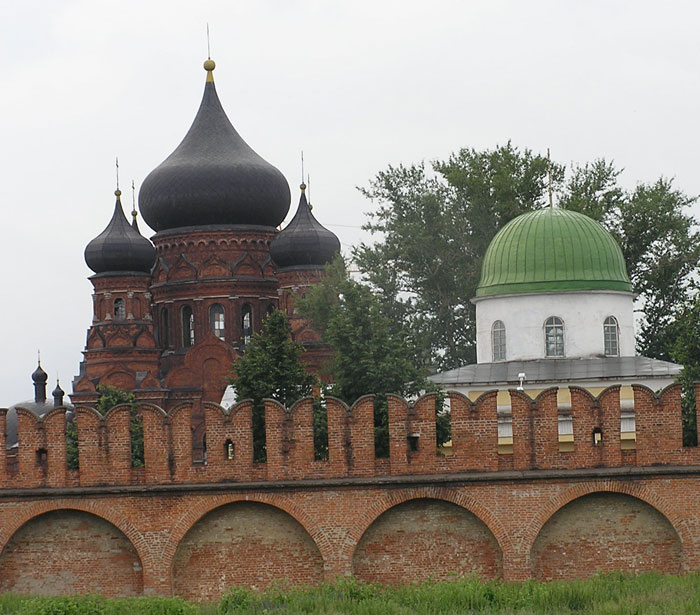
304	243
558	370
552	250
213	177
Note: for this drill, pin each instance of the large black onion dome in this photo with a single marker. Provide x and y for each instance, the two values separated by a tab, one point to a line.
304	243
213	177
119	247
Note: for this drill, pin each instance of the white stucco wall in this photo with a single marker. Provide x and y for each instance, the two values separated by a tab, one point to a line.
583	314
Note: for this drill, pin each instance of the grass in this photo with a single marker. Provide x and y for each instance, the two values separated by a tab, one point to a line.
607	594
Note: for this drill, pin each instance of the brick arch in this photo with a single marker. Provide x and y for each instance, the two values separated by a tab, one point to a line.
394	498
549	508
99	513
93	507
194	514
208	544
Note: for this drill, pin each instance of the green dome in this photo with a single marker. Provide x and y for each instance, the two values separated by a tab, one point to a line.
552	250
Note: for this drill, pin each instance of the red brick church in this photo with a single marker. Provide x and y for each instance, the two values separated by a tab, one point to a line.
171	315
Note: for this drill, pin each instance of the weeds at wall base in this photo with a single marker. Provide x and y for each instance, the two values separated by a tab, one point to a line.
605	594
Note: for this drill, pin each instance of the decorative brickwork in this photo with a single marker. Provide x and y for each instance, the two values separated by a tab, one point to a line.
195	526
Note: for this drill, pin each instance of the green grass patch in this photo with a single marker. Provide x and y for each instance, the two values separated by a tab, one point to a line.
606	594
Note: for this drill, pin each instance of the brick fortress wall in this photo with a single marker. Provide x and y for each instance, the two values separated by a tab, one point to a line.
196	528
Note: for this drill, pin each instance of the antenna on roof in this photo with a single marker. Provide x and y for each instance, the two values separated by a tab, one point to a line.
134	213
208	46
549	180
308	187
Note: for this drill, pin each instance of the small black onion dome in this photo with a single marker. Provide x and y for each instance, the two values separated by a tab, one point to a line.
304	243
39	376
119	247
58	394
213	177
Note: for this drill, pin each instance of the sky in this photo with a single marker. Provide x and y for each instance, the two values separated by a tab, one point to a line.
357	86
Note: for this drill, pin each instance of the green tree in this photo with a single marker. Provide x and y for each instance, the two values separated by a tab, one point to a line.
270	367
434	226
685	332
370	355
659	242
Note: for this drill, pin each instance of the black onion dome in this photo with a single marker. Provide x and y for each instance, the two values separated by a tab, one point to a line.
39	376
304	243
119	247
213	177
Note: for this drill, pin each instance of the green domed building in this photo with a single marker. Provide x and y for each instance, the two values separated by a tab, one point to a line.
552	250
555	306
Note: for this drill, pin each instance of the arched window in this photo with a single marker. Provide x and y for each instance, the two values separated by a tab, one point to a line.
554	337
498	340
216	320
611	337
165	329
246	323
187	327
119	309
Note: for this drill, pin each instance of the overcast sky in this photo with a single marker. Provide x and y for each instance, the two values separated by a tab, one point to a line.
357	85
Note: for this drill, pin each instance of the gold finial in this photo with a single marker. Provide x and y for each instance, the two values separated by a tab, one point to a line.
118	193
302	187
549	180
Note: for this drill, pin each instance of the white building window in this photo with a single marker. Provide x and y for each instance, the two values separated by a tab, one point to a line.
611	337
216	320
498	340
554	337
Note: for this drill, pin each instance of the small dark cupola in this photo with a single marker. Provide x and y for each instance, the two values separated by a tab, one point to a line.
58	394
39	377
120	247
304	243
213	177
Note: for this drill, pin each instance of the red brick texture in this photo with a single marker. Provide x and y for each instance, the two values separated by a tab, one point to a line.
193	528
228	546
605	532
68	551
426	538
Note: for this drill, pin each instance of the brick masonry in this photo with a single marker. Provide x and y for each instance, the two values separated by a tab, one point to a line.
190	528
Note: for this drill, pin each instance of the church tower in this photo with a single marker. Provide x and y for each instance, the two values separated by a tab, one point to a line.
171	316
121	347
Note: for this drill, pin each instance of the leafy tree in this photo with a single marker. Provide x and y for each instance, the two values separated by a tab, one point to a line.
659	242
370	354
271	367
686	350
434	226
